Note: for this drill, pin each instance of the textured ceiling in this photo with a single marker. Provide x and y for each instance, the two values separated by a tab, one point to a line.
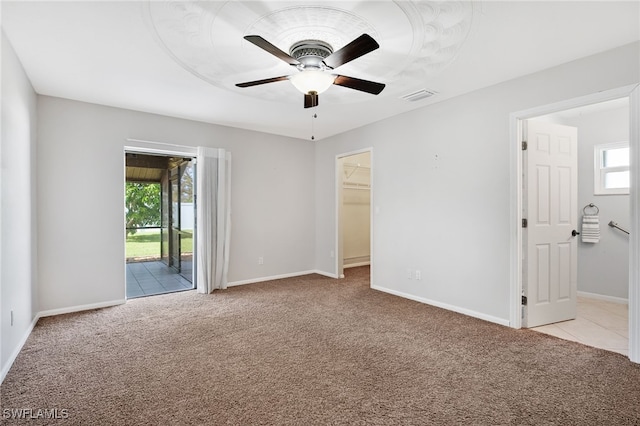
418	39
183	58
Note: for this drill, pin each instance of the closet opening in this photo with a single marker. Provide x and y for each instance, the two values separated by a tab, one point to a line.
354	210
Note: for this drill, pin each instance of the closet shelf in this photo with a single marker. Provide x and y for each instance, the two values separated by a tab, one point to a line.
354	185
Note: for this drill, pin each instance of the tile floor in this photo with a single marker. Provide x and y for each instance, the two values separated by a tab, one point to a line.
600	324
149	278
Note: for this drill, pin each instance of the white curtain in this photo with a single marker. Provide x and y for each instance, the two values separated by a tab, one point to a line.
213	218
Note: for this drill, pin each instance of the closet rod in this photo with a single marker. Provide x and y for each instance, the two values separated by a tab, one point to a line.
357	165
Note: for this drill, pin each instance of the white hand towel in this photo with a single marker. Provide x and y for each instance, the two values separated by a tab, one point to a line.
590	229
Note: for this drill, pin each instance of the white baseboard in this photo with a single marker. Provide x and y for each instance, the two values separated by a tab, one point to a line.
278	277
270	278
446	306
79	308
597	296
16	352
326	274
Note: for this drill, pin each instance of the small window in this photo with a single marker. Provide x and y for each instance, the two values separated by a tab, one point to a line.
612	168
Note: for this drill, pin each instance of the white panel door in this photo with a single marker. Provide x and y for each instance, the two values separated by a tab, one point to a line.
551	196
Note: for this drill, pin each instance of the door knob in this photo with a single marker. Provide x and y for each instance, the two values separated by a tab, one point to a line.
574	233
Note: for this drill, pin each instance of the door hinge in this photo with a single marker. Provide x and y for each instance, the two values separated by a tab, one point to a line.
524	300
524	145
525	223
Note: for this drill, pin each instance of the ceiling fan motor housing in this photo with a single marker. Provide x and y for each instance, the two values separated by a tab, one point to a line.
311	53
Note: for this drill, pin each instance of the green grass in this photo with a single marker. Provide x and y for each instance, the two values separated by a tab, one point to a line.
147	244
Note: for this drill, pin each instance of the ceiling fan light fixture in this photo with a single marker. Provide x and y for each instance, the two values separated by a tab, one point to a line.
312	81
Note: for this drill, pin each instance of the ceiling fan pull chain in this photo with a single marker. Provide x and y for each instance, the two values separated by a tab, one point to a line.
313	130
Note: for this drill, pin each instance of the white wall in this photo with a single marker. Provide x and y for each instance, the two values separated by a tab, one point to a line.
18	252
441	185
81	162
603	268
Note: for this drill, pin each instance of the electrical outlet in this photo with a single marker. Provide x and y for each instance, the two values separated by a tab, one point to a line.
418	275
261	260
331	254
409	274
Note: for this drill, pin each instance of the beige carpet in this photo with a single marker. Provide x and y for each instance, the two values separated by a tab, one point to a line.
311	350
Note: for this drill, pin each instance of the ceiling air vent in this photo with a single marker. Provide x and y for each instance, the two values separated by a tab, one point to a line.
420	94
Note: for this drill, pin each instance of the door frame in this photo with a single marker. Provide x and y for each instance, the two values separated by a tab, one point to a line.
339	249
516	193
137	146
171	199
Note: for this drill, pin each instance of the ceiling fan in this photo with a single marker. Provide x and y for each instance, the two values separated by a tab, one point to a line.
315	60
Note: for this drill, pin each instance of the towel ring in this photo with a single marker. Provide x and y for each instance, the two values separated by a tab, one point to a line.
592	206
